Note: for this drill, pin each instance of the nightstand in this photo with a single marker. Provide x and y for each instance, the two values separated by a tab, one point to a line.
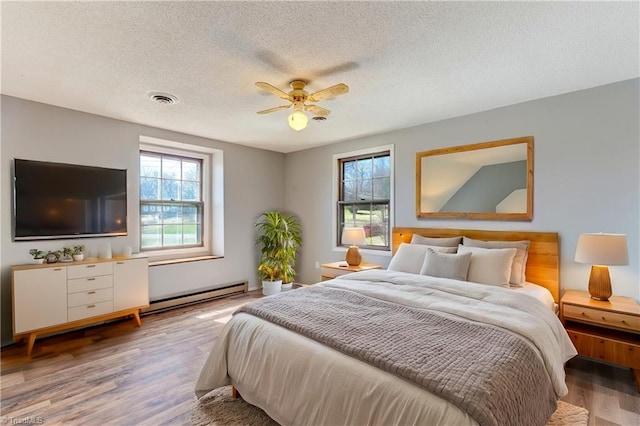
608	331
329	271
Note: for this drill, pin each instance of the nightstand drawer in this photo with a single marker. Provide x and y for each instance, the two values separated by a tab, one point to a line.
607	349
329	273
605	318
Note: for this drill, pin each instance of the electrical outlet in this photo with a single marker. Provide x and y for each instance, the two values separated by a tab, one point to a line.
317	265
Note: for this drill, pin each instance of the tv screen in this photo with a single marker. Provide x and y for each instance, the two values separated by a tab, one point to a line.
55	200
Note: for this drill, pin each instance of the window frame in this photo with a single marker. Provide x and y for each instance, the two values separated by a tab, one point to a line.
337	183
199	204
212	194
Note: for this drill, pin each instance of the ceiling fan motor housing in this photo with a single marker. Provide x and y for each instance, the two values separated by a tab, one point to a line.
298	94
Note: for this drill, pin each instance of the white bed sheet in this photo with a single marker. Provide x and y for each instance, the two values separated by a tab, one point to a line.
540	293
299	381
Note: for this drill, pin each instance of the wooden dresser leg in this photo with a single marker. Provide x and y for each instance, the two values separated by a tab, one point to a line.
234	392
31	340
636	375
136	316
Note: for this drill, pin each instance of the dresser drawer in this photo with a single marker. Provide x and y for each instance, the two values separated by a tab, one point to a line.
604	318
88	311
89	297
89	270
90	283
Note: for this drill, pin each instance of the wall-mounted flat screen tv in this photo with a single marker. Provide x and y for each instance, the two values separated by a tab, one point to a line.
56	200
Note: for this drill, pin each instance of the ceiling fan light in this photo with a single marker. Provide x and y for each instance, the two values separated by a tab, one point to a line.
298	120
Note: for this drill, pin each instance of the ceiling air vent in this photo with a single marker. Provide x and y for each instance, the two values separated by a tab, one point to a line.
163	98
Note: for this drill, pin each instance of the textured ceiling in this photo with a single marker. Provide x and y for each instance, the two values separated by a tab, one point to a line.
405	63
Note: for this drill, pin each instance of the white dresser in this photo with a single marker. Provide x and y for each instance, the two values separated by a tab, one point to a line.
55	297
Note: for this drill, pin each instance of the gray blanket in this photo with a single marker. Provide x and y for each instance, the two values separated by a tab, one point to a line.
492	374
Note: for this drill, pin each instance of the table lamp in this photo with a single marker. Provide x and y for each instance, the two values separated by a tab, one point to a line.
601	250
354	237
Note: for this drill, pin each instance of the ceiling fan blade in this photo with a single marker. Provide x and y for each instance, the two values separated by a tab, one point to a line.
329	92
271	89
316	110
278	108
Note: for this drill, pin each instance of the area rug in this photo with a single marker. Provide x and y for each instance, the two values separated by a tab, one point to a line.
219	408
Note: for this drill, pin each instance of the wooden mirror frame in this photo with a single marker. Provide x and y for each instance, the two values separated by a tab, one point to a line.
527	215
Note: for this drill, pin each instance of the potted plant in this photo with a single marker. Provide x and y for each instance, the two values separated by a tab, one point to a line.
38	256
270	274
279	240
52	256
66	254
78	253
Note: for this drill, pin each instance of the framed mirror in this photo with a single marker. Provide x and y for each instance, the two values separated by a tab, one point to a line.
489	181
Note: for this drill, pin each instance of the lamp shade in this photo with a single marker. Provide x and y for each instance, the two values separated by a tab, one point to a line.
298	120
602	249
353	236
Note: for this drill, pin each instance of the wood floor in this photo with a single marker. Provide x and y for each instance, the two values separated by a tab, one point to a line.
120	374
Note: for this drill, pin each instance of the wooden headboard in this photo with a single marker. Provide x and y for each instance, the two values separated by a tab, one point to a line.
543	266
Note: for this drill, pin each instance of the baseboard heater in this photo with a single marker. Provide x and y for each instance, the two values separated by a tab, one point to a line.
197	297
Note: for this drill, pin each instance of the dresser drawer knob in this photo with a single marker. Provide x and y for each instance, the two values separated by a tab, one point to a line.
91	279
91	292
91	266
91	306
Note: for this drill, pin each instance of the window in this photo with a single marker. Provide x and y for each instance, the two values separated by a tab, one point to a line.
171	202
365	194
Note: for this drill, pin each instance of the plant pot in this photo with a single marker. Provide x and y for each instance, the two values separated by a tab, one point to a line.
78	257
271	287
287	286
38	261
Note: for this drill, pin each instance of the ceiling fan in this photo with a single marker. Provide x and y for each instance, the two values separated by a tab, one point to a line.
298	98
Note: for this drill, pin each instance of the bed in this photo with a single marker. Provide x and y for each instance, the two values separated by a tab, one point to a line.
444	350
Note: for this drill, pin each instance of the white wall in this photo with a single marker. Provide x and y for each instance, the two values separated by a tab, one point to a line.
253	182
586	178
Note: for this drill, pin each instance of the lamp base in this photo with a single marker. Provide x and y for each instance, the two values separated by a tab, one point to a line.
600	283
353	257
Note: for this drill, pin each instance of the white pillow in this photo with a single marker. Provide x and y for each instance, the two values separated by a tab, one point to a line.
436	241
410	257
517	278
489	266
446	265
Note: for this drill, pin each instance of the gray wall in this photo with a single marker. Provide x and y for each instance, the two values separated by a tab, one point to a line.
488	187
253	182
586	178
